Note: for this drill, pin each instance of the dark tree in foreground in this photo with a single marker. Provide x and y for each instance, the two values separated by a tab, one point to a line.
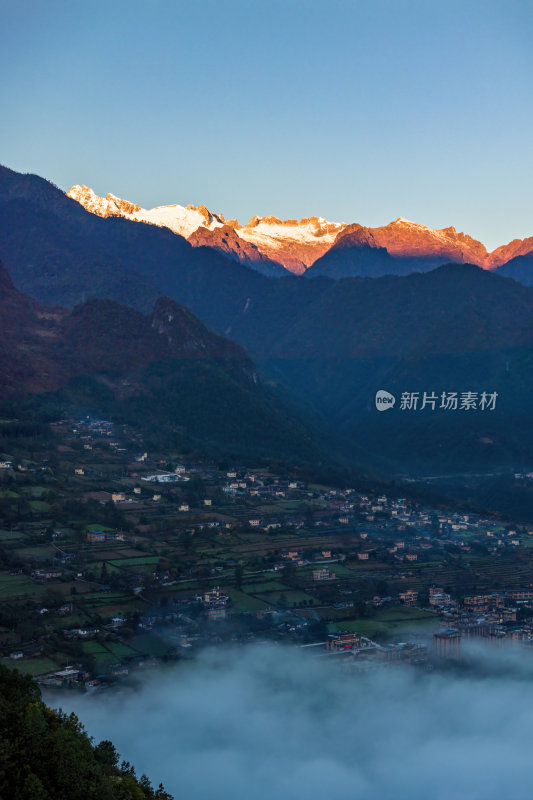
46	754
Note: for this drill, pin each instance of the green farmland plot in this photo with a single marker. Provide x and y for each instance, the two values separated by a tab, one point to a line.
99	601
116	649
150	645
92	648
77	619
37	491
241	602
94	527
366	627
130	606
137	561
13	586
32	666
104	660
120	650
100	654
389	622
340	570
289	598
264	586
39	506
43	552
106	653
98	566
8	494
13	536
405	614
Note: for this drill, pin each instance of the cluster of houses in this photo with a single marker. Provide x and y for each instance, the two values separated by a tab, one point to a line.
215	600
166	477
372	530
97	537
297	558
493	617
360	652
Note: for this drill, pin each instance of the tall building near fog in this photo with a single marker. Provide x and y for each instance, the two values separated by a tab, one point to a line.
447	644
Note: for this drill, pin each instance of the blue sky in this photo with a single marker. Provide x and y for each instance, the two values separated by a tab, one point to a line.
351	110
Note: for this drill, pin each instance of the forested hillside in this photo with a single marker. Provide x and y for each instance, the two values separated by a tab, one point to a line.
47	755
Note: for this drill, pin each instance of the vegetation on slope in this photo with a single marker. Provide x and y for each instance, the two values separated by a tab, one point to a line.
47	755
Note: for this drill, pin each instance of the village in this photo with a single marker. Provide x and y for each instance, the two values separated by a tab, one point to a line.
116	557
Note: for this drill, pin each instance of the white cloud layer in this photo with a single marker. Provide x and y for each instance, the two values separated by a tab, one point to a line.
267	723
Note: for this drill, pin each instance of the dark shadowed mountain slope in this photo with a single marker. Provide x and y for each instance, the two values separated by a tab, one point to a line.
225	240
164	372
43	347
366	252
455	308
330	343
519	268
355	252
456	329
402	247
26	332
59	253
298	244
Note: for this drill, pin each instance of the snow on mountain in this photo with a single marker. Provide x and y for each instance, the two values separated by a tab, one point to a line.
274	232
297	244
179	219
109	206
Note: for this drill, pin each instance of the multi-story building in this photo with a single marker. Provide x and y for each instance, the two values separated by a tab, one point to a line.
344	641
447	643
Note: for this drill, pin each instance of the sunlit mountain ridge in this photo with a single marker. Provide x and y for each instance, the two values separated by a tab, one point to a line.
299	244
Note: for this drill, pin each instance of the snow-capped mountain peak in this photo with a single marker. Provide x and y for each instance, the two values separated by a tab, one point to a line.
180	219
403	221
297	244
109	206
294	243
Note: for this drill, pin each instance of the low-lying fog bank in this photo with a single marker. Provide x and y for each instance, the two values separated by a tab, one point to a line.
272	723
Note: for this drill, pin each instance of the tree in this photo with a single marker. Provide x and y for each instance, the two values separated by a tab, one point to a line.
34	789
47	754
